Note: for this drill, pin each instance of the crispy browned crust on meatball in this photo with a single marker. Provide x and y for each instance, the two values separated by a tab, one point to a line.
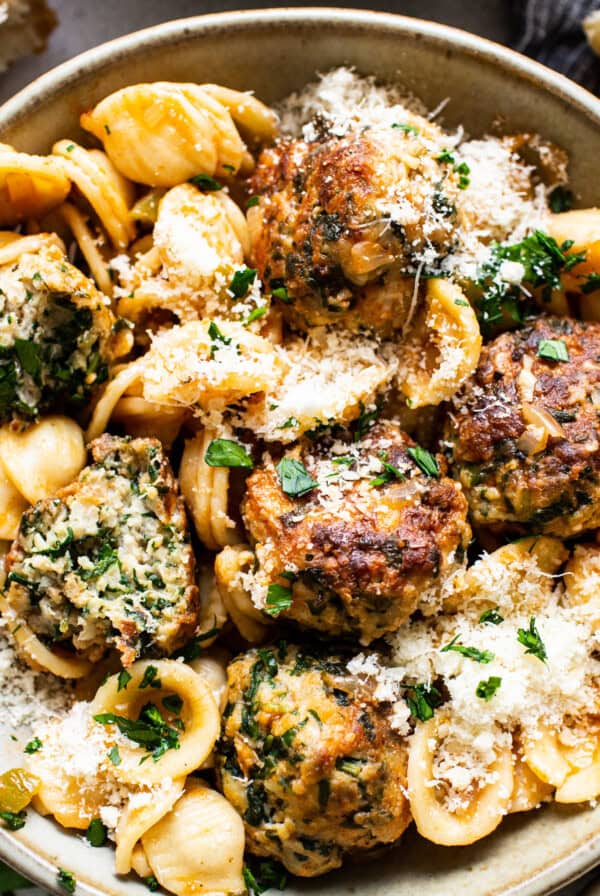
308	758
108	560
364	554
510	473
320	231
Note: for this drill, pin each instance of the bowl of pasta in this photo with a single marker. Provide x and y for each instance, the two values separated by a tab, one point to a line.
299	444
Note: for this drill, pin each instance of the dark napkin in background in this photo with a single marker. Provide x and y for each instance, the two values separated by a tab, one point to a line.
551	31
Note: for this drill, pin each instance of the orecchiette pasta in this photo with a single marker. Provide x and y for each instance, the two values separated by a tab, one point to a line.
528	790
29	185
198	847
256	119
162	134
199	715
206	492
199	241
43	458
142	812
443	347
107	191
484	805
231	565
211	666
568	759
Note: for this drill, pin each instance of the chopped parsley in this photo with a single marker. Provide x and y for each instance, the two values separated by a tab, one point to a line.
531	639
152	883
252	201
66	880
150	678
123	680
263	876
486	689
281	293
445	156
217	337
390	473
553	350
14	821
425	461
491	617
242	281
33	745
561	200
591	284
149	730
422	701
226	453
543	261
463	172
173	703
472	653
294	478
114	756
406	128
350	766
96	833
256	314
279	598
365	421
206	183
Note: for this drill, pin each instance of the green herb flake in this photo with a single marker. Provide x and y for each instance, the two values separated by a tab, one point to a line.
531	639
216	337
96	833
206	183
553	350
422	701
14	821
445	156
149	730
472	653
264	876
114	756
150	678
591	284
406	128
152	883
463	172
279	598
294	478
425	461
242	281
561	200
173	703
281	293
123	680
256	314
486	689
350	766
252	201
66	880
390	473
491	617
226	453
33	745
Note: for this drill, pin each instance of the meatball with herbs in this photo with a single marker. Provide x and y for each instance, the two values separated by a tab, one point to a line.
309	759
352	538
523	436
342	223
55	334
108	560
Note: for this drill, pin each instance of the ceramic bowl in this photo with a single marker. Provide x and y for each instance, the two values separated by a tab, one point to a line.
273	52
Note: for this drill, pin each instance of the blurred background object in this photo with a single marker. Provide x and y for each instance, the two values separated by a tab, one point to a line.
550	30
24	28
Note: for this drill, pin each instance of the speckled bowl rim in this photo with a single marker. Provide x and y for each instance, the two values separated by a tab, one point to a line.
35	864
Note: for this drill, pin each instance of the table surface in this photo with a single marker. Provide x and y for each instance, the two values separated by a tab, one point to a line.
83	25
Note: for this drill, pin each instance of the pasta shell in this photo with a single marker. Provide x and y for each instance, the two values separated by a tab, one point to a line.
45	457
12	506
205	490
142	812
230	565
442	348
162	134
252	115
212	669
29	185
435	820
198	848
199	715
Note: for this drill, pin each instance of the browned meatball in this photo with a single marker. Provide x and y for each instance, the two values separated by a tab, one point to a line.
371	542
343	223
309	759
524	433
